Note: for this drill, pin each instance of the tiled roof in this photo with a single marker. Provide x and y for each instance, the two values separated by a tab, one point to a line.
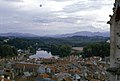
54	78
78	48
43	75
68	79
94	80
26	65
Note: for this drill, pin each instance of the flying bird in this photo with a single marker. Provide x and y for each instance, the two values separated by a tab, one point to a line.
40	5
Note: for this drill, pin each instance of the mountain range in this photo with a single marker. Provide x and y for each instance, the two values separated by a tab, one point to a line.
85	33
17	35
82	33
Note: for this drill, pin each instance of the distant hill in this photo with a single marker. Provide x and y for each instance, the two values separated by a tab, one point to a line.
84	33
17	35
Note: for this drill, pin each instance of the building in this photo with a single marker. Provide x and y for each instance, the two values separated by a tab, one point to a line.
77	49
20	68
4	79
115	43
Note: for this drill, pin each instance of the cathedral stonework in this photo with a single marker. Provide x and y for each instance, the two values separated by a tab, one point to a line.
115	43
115	35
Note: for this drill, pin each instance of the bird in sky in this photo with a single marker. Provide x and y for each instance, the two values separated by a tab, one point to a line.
40	5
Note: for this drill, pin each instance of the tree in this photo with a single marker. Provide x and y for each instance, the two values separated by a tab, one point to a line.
7	50
61	50
65	50
32	50
97	49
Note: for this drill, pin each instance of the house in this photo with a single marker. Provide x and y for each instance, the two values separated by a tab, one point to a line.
9	72
1	71
77	49
20	51
41	69
61	76
53	69
27	74
48	70
76	77
54	78
25	67
4	79
94	80
67	79
43	79
44	75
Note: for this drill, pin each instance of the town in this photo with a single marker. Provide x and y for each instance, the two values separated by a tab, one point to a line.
71	68
29	59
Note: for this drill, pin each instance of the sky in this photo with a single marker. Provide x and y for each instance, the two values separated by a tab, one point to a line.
54	16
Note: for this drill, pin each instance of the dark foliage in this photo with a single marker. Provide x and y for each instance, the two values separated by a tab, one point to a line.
98	49
7	51
58	46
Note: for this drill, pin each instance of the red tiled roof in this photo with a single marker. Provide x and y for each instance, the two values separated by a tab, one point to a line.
22	65
43	75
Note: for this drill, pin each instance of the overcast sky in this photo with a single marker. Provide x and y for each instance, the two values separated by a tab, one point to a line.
55	16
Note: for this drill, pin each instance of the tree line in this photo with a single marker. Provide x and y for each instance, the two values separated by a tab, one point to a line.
101	49
93	46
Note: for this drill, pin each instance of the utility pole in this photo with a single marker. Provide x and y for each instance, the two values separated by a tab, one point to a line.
114	22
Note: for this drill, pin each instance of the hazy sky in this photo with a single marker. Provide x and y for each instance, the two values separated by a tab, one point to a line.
55	16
